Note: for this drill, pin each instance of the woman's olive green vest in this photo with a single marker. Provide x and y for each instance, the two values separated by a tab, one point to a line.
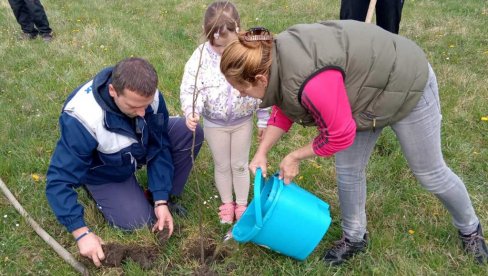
385	74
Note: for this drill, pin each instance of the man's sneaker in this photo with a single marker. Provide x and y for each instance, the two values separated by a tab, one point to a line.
28	36
344	249
474	244
47	37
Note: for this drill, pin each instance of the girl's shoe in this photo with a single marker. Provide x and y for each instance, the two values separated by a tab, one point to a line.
226	213
239	211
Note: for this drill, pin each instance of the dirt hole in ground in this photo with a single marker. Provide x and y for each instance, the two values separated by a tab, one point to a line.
163	236
116	254
213	252
145	256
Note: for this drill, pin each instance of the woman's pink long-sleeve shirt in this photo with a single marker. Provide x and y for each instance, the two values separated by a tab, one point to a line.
326	99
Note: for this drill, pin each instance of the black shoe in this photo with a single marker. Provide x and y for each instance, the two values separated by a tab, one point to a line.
176	208
28	36
344	250
47	37
474	245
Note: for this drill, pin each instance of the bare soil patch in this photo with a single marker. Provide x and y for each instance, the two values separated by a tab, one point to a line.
116	254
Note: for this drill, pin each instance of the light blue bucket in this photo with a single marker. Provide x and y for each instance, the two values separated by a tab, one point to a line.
284	218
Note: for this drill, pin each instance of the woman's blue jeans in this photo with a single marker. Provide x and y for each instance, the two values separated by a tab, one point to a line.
420	140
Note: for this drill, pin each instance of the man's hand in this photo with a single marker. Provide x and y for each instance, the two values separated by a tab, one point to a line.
164	218
90	245
192	121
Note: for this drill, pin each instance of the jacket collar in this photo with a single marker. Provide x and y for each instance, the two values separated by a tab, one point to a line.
100	91
114	119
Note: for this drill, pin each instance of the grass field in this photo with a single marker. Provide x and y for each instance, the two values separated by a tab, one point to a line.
410	232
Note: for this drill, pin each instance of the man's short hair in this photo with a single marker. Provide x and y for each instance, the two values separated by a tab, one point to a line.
135	74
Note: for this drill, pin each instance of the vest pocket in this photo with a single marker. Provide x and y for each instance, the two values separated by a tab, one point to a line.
369	121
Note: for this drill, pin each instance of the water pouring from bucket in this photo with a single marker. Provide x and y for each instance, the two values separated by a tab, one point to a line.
283	218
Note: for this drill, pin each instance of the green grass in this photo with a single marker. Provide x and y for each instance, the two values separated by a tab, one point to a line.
35	79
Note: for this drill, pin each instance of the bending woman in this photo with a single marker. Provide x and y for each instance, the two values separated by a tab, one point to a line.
350	80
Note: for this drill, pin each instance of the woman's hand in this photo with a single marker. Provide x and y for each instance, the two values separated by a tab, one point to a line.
289	168
269	138
192	121
259	161
261	132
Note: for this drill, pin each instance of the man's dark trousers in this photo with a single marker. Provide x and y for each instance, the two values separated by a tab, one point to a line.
31	16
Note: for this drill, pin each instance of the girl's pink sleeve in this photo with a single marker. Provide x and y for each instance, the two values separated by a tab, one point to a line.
279	119
326	98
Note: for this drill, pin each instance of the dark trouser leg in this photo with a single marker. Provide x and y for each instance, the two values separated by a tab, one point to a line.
354	9
38	16
181	141
389	14
23	16
123	204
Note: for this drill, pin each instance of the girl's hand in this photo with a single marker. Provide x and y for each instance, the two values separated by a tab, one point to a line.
192	121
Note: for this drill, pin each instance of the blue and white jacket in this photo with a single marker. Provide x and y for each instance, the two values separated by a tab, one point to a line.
99	144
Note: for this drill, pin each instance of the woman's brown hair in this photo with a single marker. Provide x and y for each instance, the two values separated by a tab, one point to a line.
247	57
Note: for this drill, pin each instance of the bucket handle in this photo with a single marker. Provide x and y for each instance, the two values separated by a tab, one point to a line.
258	180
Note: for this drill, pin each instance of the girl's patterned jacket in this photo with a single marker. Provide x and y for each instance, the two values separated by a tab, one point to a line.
217	101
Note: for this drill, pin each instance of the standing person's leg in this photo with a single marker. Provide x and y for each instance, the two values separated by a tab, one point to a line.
23	17
351	182
240	147
389	14
123	204
38	16
354	9
218	139
420	137
351	165
181	139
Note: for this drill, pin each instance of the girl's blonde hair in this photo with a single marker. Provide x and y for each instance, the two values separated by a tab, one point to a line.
221	17
247	57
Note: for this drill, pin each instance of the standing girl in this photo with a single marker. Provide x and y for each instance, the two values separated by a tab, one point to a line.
227	116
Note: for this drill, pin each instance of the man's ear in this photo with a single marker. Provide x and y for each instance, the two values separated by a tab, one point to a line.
111	91
262	80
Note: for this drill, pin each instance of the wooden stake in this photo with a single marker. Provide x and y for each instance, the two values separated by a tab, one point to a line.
62	252
371	8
